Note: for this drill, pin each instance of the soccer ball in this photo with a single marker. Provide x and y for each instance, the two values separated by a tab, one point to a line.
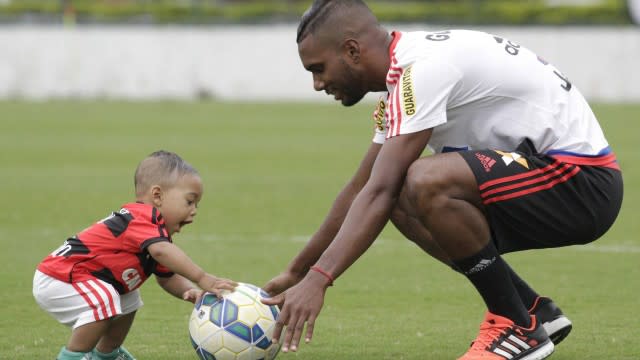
236	326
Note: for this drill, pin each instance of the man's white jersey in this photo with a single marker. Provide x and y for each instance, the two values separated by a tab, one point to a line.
480	91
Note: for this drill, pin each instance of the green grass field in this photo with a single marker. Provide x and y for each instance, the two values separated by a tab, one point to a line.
271	171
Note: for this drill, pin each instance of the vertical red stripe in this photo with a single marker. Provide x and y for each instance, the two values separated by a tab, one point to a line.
102	305
398	107
86	298
394	72
392	48
112	306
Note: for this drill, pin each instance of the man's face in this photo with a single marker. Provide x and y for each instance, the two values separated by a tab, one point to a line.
332	70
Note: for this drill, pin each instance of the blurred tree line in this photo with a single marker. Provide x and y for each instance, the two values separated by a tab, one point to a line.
463	12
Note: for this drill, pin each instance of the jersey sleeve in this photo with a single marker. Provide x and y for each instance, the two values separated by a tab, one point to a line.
419	100
142	233
163	271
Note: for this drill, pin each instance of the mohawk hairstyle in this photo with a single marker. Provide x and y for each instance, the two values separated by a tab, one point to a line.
160	168
320	11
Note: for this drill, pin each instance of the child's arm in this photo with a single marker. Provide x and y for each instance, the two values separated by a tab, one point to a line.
176	260
180	287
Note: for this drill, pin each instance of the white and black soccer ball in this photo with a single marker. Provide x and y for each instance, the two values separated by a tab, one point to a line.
237	326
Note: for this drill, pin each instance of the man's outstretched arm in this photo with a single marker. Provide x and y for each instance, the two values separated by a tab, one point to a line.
366	217
319	242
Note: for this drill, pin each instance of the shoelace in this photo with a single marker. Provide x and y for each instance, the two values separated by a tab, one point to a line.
489	332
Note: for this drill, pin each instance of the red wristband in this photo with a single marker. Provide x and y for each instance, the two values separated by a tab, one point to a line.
326	274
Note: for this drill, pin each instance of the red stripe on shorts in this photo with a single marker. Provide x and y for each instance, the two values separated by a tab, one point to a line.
86	298
535	189
518	176
112	306
96	294
553	172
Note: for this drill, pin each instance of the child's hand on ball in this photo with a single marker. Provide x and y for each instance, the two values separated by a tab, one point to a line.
192	295
216	285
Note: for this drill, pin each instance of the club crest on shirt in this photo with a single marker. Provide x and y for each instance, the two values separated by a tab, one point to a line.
408	98
378	114
132	278
509	157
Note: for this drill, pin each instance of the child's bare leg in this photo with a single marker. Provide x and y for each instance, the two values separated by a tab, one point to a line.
115	333
85	337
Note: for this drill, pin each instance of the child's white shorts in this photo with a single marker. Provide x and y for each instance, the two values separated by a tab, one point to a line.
82	302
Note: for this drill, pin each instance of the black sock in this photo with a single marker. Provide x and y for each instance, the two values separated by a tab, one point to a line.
527	294
491	277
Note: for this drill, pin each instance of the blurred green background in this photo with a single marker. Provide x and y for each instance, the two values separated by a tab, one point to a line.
511	12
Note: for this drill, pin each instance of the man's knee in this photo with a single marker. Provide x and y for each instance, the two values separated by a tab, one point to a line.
433	180
424	183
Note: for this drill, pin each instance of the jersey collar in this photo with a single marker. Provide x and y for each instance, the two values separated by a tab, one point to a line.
392	48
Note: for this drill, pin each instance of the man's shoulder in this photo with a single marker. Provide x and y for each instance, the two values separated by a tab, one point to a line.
438	46
440	36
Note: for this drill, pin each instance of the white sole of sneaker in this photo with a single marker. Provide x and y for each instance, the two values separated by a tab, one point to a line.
541	353
558	329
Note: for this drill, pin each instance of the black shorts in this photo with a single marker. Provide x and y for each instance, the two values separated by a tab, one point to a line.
535	201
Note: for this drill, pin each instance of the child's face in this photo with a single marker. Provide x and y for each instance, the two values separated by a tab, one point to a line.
179	203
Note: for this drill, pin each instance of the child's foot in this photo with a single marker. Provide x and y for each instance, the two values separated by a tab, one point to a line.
118	354
123	354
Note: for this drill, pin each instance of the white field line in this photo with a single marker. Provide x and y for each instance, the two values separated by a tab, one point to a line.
614	248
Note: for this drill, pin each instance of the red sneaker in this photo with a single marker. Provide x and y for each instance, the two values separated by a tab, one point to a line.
501	339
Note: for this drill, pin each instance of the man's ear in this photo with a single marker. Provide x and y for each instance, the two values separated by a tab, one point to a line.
352	49
156	195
